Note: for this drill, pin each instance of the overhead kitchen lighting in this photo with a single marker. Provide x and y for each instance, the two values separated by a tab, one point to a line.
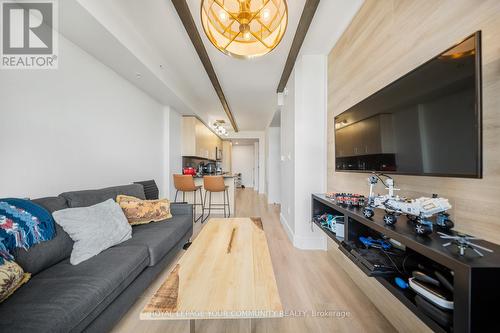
218	127
244	28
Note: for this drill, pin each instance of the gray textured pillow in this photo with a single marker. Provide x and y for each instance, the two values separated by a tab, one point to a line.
94	228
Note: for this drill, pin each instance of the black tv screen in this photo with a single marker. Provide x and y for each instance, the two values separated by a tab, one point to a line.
428	122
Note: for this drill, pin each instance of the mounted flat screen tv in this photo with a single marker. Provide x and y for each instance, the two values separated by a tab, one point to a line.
428	122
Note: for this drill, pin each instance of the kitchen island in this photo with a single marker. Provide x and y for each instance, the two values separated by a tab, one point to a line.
217	198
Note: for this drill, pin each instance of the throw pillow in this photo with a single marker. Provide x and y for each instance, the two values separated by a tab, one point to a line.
23	224
12	277
94	228
140	211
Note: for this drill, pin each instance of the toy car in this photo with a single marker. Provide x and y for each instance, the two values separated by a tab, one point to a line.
418	210
348	199
375	243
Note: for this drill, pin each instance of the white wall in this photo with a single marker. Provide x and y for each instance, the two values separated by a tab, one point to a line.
287	158
243	160
80	126
175	149
256	166
303	149
273	165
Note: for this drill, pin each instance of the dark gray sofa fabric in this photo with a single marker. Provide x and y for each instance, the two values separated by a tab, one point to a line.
95	294
160	237
93	197
120	306
52	204
64	298
46	254
181	209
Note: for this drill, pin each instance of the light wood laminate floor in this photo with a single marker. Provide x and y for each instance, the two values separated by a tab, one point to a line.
308	281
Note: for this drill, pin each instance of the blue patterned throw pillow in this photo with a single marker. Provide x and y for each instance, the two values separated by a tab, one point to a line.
22	224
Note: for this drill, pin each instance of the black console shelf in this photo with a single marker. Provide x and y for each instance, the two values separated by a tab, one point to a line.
329	233
475	278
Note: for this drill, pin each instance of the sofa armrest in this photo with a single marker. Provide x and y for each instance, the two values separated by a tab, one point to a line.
181	209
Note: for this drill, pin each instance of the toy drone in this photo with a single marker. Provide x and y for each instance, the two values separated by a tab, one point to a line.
418	210
463	242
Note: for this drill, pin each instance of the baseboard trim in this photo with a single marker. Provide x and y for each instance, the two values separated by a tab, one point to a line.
304	243
287	228
310	243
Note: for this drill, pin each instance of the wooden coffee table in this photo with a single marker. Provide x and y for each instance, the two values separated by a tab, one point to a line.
225	274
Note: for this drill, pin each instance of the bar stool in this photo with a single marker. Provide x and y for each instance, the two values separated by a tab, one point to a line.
215	184
185	183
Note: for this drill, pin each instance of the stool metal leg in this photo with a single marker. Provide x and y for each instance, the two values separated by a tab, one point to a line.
224	204
176	192
200	204
204	205
228	204
194	207
183	196
210	205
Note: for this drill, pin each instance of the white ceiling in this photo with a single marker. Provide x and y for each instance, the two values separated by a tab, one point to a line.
249	85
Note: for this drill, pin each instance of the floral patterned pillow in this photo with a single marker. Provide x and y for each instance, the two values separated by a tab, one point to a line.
140	211
12	277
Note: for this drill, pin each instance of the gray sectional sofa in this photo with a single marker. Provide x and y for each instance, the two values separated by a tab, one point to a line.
95	294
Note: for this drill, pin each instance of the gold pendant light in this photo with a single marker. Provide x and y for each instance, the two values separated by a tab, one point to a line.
244	28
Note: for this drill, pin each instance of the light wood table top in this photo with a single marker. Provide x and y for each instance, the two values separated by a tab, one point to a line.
226	273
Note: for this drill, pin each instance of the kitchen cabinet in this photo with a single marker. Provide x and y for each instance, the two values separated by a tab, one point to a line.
198	140
370	136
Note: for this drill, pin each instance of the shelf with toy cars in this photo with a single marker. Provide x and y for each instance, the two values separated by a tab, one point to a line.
474	277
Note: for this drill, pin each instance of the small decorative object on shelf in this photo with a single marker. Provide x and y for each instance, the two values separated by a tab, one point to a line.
369	242
463	242
328	221
347	199
419	211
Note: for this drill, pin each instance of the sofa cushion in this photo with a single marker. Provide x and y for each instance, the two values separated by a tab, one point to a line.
160	237
140	211
94	228
67	298
46	254
12	277
92	197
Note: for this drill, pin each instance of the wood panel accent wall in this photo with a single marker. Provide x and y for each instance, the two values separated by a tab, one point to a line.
386	40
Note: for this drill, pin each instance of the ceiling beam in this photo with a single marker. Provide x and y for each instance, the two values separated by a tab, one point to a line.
304	23
184	13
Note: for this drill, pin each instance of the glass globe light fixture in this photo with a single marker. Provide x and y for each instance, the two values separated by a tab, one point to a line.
244	28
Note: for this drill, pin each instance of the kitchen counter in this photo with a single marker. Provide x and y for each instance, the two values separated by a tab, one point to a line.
225	176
